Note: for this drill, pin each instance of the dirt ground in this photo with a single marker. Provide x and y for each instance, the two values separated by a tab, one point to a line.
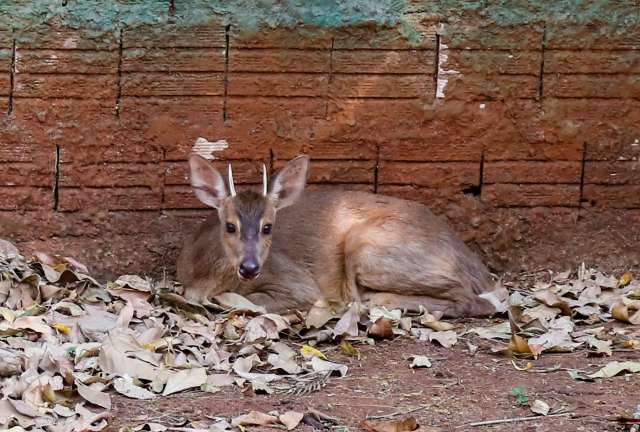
457	390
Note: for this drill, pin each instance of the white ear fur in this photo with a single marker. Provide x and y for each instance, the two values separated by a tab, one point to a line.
207	182
290	182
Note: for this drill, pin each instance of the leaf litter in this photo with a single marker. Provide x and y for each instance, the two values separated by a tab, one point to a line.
68	342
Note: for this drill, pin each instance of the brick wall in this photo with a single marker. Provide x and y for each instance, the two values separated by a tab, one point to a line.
526	137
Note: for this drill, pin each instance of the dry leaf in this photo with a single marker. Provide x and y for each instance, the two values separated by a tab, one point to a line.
625	279
235	301
622	312
420	361
614	368
406	425
185	379
348	323
348	349
96	397
254	418
320	365
308	352
291	419
125	386
540	407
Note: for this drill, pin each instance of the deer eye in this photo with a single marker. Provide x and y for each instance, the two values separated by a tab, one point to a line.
266	229
231	228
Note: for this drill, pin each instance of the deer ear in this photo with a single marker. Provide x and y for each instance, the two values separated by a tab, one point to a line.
207	182
290	182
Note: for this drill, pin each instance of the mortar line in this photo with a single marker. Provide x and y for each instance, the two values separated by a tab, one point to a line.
119	93
376	170
227	30
542	54
56	179
582	171
481	180
326	105
436	66
12	75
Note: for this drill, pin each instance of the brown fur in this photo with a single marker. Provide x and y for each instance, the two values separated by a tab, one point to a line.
338	246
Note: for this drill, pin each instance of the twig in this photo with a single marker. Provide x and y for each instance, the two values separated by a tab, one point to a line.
395	413
323	416
516	419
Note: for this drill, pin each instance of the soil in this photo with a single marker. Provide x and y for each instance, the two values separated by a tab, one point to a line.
457	390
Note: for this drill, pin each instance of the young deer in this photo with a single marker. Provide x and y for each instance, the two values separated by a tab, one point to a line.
333	246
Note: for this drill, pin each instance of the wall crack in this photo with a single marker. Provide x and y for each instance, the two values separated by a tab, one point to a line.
12	76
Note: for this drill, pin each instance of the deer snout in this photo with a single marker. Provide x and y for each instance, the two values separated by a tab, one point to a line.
249	269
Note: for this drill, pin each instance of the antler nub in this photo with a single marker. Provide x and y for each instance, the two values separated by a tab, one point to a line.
232	186
264	180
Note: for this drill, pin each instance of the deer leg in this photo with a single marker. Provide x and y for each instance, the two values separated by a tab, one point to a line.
413	303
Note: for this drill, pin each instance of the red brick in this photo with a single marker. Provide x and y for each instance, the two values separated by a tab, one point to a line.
339	187
60	86
431	174
278	60
588	62
604	37
292	84
619	172
383	61
168	127
47	37
592	86
5	59
181	197
492	36
371	37
5	84
276	110
4	105
17	142
26	174
244	172
434	148
530	195
6	38
382	86
491	62
298	37
173	60
613	196
111	175
487	87
532	172
175	36
97	199
67	61
172	84
342	172
20	198
328	150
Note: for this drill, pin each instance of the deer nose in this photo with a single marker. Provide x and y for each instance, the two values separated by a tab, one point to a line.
249	269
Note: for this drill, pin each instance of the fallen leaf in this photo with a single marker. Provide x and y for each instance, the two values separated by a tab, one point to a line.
553	301
518	392
125	386
96	397
614	368
291	419
432	322
540	407
348	349
420	361
62	328
348	323
235	301
406	425
254	418
625	279
308	352
319	314
320	365
185	379
622	312
445	338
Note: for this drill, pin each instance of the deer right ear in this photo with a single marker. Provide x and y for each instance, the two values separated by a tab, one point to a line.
207	182
290	182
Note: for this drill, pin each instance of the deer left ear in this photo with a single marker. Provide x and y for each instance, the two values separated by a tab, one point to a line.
290	182
207	182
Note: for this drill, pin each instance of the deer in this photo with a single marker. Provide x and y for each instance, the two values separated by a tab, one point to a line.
287	249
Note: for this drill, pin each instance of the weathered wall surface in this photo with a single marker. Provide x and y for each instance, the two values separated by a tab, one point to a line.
520	121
